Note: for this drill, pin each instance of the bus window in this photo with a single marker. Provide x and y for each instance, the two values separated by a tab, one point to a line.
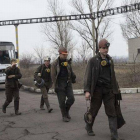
4	57
11	54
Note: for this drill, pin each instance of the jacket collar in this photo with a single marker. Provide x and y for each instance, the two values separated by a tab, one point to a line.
99	55
46	67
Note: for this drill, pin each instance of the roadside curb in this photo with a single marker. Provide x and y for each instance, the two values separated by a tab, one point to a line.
81	91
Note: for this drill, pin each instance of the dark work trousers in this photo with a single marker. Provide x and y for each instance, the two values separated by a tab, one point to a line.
106	95
64	93
42	99
12	93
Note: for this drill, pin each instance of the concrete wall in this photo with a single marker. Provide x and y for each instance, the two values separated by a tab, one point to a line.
133	46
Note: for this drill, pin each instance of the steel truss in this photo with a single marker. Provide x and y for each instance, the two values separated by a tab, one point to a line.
94	15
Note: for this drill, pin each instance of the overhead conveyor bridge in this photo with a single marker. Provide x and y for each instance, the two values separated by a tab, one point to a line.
94	15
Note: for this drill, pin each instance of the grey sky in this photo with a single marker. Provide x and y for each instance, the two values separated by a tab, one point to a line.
31	36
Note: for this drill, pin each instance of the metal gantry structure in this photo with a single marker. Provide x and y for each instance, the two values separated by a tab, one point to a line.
94	15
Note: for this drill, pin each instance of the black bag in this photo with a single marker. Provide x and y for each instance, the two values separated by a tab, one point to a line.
19	85
120	119
118	96
73	77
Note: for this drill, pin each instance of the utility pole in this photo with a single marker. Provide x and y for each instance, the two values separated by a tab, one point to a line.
17	46
96	40
93	36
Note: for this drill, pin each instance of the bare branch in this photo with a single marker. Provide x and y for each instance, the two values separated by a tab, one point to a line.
59	33
89	27
131	28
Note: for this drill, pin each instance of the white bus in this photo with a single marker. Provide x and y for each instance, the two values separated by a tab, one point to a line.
7	52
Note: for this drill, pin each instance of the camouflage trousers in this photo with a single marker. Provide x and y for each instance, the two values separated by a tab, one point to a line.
44	96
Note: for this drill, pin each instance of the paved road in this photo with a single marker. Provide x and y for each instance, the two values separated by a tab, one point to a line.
35	124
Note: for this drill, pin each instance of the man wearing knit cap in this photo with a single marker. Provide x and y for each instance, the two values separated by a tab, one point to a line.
100	85
62	78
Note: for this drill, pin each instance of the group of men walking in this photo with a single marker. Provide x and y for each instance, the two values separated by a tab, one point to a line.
99	85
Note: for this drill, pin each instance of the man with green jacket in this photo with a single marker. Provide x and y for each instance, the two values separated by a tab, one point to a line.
62	78
100	85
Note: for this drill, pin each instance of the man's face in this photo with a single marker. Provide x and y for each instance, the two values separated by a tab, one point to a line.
63	56
104	50
47	62
14	63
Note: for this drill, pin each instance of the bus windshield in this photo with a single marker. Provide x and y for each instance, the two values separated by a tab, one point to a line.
5	56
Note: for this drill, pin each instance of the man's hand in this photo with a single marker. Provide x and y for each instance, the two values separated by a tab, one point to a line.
11	76
14	65
87	96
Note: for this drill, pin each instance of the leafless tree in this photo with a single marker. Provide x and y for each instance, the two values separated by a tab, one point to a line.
40	53
84	52
58	33
93	29
26	60
131	27
120	60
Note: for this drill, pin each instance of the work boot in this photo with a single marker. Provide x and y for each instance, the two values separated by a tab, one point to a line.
16	106
67	112
90	132
42	103
17	113
42	107
48	105
65	119
64	116
4	106
88	127
113	128
49	109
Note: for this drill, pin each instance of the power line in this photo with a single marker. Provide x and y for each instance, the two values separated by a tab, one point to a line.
94	15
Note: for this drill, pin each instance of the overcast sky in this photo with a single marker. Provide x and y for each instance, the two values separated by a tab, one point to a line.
30	35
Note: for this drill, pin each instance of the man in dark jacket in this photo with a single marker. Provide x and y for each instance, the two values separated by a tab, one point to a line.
11	84
100	85
63	77
42	76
